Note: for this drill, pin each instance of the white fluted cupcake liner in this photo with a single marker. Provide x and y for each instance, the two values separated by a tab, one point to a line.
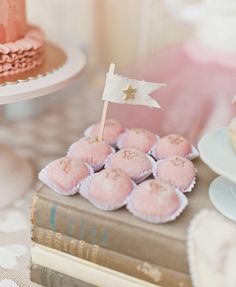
156	219
191	156
45	178
96	166
84	191
155	175
139	177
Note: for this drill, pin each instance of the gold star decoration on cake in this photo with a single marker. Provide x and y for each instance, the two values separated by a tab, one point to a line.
129	93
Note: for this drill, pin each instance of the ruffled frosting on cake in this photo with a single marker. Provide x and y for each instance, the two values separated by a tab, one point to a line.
22	55
13	57
33	39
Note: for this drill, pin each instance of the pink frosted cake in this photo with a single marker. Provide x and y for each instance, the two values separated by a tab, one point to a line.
137	138
177	171
111	132
64	175
21	45
156	201
91	151
171	145
133	161
111	178
107	189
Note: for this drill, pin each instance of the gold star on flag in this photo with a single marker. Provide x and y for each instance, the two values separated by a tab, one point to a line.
129	93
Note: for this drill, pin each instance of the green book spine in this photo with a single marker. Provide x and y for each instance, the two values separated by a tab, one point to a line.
126	239
51	278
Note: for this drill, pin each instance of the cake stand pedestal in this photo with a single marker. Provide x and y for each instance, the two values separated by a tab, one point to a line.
216	151
17	173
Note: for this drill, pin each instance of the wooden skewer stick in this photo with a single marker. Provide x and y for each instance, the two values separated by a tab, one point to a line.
105	107
104	113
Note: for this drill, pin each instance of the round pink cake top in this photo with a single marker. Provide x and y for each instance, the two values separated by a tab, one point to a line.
111	132
110	186
176	170
134	162
13	24
67	172
138	138
90	150
172	145
154	199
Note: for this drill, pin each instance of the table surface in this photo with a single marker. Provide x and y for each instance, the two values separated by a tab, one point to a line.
42	138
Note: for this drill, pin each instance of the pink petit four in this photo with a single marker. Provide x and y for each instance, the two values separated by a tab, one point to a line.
107	189
171	145
137	138
134	162
65	175
178	171
111	132
91	151
156	201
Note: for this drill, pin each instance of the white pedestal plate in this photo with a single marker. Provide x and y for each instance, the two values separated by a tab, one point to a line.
16	173
216	151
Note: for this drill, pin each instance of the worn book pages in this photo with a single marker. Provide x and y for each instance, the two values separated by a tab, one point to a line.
50	278
110	259
83	270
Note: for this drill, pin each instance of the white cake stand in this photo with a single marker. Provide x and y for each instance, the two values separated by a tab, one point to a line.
216	151
17	173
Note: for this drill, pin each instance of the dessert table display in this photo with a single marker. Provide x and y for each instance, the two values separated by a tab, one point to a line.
135	172
59	127
63	66
217	152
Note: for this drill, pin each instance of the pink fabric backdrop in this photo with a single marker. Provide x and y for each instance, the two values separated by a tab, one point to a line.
194	91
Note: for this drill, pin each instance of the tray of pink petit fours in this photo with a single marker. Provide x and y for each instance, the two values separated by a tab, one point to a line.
132	168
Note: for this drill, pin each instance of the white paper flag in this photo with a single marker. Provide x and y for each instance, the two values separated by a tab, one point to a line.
123	90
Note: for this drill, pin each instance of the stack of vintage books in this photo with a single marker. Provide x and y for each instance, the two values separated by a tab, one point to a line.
75	244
